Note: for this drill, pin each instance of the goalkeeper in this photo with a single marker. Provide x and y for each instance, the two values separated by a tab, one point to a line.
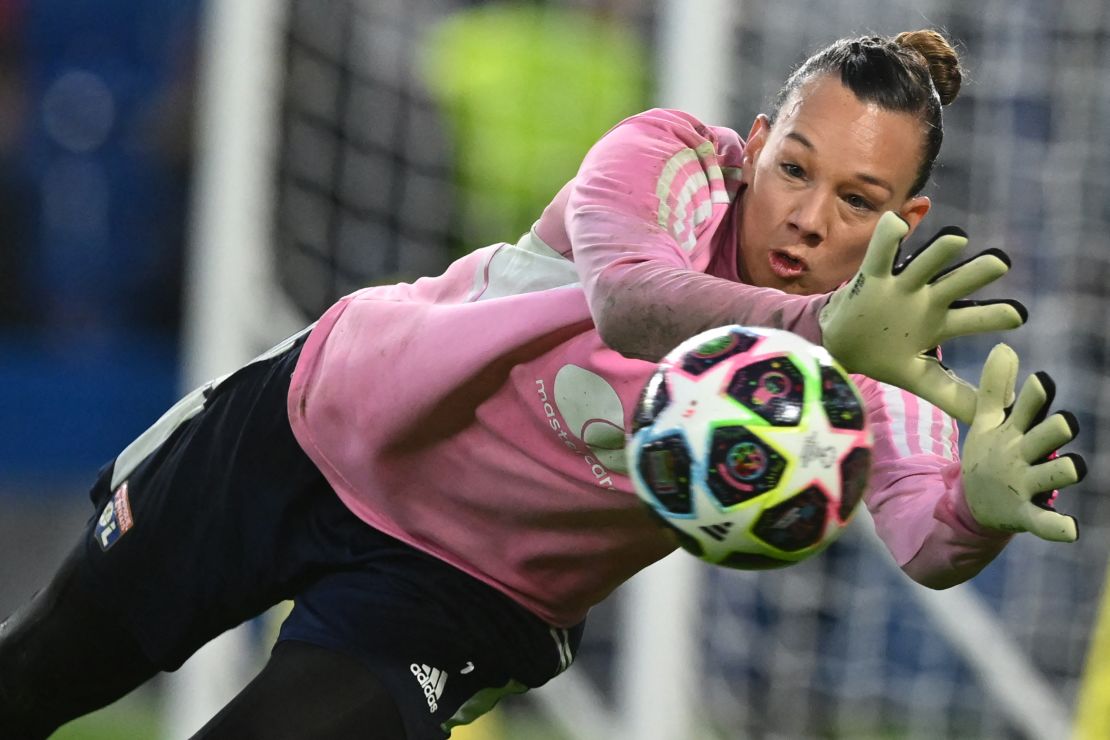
414	470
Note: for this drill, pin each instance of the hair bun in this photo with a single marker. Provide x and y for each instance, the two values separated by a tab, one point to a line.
944	63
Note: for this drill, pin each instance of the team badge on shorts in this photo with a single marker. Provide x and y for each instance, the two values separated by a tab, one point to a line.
115	520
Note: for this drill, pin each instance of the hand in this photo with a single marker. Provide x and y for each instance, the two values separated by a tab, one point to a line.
886	321
1006	460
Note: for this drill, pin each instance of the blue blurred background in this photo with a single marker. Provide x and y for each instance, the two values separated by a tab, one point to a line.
95	112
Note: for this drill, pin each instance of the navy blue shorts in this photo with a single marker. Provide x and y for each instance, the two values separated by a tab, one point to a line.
216	514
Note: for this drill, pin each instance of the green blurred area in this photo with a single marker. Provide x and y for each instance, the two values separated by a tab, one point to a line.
526	90
135	717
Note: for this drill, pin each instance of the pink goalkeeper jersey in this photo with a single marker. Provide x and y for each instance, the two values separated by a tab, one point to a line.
479	416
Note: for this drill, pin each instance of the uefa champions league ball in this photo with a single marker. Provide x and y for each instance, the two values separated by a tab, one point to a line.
752	445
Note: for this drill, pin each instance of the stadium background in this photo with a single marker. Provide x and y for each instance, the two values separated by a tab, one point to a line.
408	130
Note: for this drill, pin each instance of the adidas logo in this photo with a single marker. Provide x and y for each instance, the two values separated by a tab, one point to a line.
432	680
717	531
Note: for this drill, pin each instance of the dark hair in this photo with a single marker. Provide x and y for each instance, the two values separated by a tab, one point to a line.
914	72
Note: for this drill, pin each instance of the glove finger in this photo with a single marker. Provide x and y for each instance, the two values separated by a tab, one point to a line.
963	319
996	385
1051	525
882	250
1059	472
1032	403
943	388
927	264
1048	436
965	278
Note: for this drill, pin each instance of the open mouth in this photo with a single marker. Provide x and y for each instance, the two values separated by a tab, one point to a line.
785	266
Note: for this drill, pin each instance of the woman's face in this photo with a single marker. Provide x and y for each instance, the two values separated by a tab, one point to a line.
817	182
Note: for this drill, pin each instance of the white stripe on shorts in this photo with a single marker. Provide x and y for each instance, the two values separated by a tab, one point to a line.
563	646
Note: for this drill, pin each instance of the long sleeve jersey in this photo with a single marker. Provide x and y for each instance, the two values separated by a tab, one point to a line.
480	415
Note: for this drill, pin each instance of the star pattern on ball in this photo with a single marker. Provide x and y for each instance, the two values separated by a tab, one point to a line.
815	454
695	406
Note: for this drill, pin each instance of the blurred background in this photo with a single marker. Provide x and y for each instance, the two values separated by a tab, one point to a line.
184	183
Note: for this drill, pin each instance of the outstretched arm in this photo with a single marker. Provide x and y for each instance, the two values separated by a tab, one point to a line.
643	308
647	218
944	519
916	494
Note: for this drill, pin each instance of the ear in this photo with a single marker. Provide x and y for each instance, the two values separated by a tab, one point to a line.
757	138
914	210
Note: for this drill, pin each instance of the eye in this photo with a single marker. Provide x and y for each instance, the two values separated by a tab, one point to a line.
858	202
792	170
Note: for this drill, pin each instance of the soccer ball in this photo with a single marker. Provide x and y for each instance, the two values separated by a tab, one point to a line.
752	444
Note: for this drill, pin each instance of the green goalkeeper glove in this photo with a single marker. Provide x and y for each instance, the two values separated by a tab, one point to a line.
887	321
1009	470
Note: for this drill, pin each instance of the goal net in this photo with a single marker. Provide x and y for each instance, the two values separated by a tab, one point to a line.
396	133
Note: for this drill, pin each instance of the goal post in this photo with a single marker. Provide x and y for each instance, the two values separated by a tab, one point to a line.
232	310
660	607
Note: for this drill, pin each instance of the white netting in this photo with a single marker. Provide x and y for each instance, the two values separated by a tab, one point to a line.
373	186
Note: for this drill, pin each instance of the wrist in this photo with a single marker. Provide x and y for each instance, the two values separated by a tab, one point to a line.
960	510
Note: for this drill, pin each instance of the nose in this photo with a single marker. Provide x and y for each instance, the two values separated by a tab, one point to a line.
809	218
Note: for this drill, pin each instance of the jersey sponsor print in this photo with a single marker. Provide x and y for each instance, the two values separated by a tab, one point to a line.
584	411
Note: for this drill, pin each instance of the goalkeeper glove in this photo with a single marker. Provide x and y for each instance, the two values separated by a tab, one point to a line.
1009	468
885	322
